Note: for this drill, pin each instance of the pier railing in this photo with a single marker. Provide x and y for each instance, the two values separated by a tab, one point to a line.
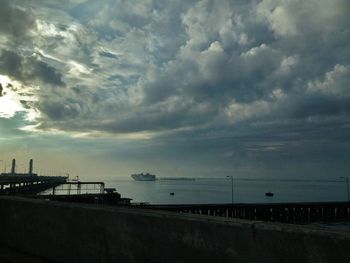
28	184
296	213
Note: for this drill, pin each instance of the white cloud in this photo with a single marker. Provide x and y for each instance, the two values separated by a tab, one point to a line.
245	111
291	18
335	82
287	64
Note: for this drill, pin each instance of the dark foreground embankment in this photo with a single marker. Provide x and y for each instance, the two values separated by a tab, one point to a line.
86	233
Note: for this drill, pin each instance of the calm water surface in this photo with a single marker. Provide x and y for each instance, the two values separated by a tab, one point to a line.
207	191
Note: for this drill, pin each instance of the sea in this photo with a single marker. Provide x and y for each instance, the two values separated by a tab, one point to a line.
228	190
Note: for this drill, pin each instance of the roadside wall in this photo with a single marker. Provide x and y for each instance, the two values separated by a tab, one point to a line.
86	233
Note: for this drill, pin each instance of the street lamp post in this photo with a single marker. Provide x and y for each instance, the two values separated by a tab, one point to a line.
231	188
347	186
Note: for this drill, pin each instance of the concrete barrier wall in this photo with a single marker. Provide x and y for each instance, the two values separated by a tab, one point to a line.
86	233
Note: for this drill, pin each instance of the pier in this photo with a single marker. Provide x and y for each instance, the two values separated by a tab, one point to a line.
57	188
293	213
30	183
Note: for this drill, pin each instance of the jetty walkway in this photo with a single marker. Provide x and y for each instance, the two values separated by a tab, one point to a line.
293	213
14	183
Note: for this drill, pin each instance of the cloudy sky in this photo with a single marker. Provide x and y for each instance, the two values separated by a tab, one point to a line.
256	88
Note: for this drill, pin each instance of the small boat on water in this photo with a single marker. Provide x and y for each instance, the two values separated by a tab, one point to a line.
270	194
172	193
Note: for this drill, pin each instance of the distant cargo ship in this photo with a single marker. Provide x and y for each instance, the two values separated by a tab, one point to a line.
143	177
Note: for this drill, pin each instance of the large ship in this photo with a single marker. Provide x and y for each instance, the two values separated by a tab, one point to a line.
143	177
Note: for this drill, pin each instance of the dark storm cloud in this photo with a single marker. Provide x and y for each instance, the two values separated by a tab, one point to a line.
28	69
165	66
15	22
108	54
253	87
231	62
57	111
11	63
323	106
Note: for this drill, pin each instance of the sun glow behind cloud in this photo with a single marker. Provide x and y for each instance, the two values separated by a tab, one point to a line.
11	102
